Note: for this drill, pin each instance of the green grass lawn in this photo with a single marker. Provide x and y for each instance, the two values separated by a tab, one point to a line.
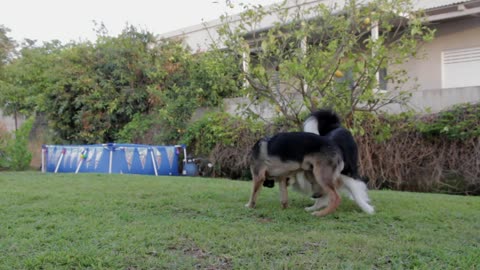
67	221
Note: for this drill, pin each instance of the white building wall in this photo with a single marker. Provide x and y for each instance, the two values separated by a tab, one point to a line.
200	37
450	35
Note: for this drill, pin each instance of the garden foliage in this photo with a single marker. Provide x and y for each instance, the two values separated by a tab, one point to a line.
14	153
96	92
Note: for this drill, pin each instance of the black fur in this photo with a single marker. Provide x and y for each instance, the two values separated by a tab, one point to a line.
294	146
270	183
329	125
327	121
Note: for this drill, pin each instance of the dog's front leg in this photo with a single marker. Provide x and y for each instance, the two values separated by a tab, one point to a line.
258	179
283	192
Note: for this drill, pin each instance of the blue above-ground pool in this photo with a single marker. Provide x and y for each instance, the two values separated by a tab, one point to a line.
113	158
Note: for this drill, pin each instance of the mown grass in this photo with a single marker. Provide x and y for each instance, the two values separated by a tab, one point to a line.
66	221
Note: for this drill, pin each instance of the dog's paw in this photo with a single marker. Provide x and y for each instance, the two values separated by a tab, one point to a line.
311	208
319	213
249	205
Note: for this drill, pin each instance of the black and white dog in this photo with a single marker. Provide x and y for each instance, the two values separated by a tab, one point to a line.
284	155
326	123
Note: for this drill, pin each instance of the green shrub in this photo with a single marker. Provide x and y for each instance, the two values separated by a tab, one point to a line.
14	149
173	117
136	129
226	140
217	128
461	122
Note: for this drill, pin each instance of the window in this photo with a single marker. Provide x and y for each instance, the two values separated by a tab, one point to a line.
461	68
382	74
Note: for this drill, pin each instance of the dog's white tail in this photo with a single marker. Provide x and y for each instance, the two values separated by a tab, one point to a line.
311	125
358	190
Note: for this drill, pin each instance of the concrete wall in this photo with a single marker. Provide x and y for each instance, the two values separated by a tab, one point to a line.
235	106
432	100
435	100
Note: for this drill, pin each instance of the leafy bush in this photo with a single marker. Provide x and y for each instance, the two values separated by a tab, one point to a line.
217	128
14	154
226	140
459	123
179	105
138	130
432	153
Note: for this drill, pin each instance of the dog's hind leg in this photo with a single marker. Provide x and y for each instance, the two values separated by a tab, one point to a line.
321	200
258	178
319	203
326	177
334	202
283	192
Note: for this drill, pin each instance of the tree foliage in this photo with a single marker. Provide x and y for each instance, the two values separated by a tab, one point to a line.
325	56
26	78
111	89
7	46
99	87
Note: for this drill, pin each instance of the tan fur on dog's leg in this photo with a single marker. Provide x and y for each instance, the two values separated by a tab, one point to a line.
257	185
283	192
326	178
335	200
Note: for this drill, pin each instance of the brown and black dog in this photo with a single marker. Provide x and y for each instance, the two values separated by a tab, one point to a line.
326	123
287	153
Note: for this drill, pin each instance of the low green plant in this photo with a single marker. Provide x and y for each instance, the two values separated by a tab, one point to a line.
461	122
14	153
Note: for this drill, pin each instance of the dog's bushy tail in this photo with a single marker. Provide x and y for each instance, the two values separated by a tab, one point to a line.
358	190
